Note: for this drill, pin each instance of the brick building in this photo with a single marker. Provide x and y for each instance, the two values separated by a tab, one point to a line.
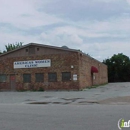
36	66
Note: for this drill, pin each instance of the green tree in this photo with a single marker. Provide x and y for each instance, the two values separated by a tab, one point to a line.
13	46
118	68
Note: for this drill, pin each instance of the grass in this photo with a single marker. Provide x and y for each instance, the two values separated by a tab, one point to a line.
95	86
91	87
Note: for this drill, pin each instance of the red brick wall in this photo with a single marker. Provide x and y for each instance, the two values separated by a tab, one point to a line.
5	86
86	77
59	63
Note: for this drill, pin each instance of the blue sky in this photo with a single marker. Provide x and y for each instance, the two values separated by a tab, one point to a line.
100	28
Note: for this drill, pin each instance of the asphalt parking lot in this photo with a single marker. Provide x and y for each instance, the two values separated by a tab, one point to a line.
92	109
105	94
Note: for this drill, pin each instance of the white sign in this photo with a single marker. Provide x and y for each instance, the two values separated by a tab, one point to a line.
75	77
32	64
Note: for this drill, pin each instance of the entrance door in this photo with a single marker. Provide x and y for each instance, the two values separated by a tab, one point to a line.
12	82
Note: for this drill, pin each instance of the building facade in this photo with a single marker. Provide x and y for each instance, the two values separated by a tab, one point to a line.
43	67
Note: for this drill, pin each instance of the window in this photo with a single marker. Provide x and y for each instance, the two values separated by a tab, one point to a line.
3	78
52	77
66	76
26	78
39	77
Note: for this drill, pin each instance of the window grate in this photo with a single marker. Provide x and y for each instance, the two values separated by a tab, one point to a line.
66	76
39	77
26	78
52	77
3	77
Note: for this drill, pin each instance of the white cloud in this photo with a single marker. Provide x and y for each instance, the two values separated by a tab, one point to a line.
83	25
128	1
14	37
106	50
72	39
106	1
23	14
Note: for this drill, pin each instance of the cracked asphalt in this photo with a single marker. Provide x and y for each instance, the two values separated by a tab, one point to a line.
106	94
92	109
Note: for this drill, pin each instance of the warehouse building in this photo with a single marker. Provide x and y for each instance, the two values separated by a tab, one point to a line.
42	67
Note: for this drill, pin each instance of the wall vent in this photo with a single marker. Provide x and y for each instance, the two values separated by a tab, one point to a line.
31	50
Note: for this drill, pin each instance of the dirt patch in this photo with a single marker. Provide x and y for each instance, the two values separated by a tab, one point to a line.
117	101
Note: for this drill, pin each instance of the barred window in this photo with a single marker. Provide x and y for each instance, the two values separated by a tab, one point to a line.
52	77
66	76
3	77
26	78
39	77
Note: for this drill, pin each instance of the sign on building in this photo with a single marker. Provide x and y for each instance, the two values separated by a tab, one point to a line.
75	77
32	64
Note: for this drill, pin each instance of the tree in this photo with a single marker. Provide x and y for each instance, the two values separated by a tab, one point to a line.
118	68
13	46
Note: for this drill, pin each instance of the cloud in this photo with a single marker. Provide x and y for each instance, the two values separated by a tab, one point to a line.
106	50
128	1
23	14
107	1
86	10
98	27
15	37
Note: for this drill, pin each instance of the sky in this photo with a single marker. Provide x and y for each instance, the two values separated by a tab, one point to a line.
100	28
